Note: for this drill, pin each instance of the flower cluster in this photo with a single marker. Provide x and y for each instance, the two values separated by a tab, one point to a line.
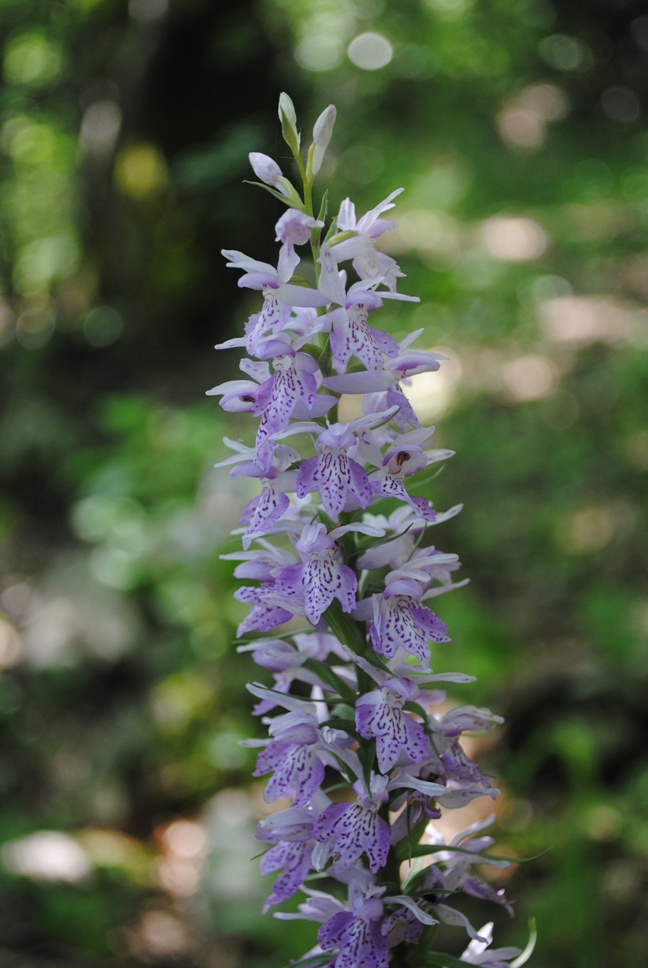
338	542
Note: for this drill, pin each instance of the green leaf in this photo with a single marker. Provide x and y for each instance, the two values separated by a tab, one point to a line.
327	675
367	756
436	959
423	850
405	848
347	725
291	203
413	707
315	960
524	956
344	627
323	207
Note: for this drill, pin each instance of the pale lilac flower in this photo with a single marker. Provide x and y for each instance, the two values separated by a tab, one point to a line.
348	830
322	576
294	227
379	715
333	473
368	261
351	334
357	739
279	295
293	756
357	935
399	621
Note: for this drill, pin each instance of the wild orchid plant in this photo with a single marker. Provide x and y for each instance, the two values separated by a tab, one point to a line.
358	738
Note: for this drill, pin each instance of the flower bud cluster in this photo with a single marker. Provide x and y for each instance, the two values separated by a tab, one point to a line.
363	755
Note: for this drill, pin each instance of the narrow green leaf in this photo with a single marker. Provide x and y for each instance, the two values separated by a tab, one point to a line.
422	850
344	627
524	956
327	675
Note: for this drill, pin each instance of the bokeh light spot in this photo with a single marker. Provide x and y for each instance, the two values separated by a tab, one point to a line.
32	59
639	31
370	51
147	11
10	645
522	121
100	127
449	9
35	327
47	855
43	260
621	104
529	377
565	53
140	171
319	52
513	239
102	326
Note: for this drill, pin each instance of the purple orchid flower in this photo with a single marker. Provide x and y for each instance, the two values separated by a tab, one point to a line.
322	575
337	588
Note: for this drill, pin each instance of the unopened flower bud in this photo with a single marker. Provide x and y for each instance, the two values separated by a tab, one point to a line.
321	136
265	168
288	119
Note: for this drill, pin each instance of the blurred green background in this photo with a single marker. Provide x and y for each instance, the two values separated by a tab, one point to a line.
518	129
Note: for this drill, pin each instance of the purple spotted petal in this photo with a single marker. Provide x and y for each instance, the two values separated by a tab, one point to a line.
263	616
351	335
297	770
380	715
336	476
294	859
354	829
266	509
390	486
401	621
361	941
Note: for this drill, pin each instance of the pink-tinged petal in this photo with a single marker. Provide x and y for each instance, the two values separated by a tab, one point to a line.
333	932
295	227
265	168
391	486
320	407
259	280
287	263
367	222
333	480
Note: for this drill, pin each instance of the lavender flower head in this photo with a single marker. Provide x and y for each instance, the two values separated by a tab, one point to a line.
339	568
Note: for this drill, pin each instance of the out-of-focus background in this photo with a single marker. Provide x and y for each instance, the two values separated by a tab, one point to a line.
518	129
